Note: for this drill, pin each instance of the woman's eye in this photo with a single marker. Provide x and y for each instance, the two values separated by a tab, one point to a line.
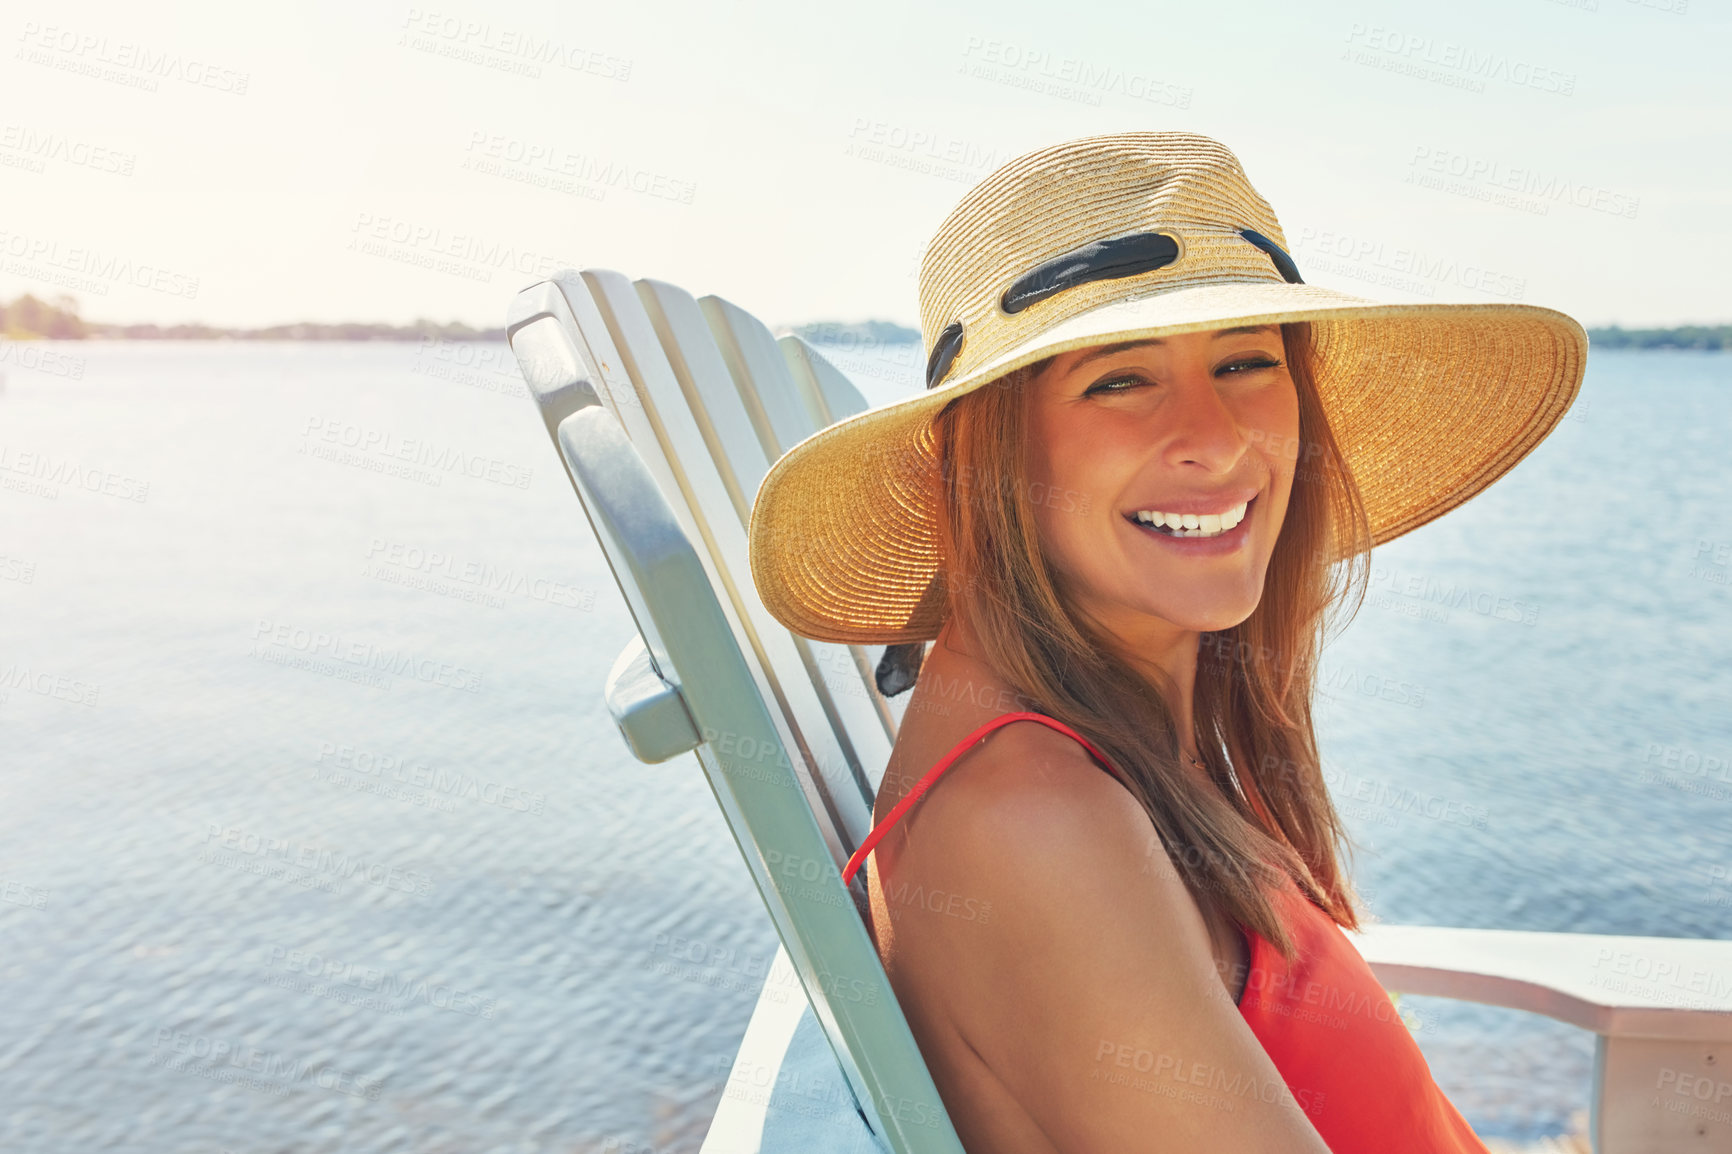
1113	385
1249	364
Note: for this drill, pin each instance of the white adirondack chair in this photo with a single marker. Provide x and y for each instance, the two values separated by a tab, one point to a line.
667	412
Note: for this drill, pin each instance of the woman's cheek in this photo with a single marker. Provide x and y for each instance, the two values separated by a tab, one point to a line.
1273	423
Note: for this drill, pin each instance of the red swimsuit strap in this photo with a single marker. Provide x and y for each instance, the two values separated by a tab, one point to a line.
949	759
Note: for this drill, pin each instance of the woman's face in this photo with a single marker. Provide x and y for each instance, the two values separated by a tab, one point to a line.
1125	440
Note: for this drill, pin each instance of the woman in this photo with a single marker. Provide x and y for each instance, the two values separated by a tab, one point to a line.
1148	464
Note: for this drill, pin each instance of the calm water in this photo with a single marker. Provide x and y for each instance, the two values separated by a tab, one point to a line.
260	896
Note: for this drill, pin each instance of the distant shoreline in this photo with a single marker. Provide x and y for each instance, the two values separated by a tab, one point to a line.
28	318
1707	338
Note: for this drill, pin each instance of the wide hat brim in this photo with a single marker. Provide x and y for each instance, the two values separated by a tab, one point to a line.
1430	403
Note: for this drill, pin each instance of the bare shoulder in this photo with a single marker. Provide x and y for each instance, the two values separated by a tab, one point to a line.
1027	824
1027	799
1092	957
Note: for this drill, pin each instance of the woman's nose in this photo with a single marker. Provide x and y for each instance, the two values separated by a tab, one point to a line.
1201	428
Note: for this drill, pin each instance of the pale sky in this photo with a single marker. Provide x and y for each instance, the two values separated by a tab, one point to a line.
378	162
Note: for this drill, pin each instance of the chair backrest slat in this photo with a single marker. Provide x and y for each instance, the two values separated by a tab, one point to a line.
679	380
822	380
743	380
732	437
617	393
784	415
645	394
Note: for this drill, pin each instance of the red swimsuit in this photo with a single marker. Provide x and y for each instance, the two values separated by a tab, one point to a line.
1323	1019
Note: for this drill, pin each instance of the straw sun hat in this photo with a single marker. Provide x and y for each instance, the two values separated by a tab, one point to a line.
1125	237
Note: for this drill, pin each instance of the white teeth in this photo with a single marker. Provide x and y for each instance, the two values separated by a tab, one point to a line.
1194	524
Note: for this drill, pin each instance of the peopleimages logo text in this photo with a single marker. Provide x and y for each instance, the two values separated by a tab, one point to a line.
103	268
386	444
1493	173
431	240
279	639
146	62
1469	62
514	43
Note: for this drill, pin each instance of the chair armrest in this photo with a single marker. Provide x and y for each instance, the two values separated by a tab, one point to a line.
1661	1007
1626	987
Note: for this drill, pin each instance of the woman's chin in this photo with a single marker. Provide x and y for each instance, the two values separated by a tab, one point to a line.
1217	622
1207	607
1204	615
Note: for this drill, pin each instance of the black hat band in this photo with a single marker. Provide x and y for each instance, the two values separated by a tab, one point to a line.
1120	256
1110	259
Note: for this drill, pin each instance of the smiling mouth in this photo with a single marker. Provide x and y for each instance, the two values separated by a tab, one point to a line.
1191	524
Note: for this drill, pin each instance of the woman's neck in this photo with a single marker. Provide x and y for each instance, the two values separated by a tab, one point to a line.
1163	653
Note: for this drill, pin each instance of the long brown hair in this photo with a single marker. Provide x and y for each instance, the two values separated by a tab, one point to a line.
1268	812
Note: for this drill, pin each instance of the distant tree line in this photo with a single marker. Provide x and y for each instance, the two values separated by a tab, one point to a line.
1712	337
27	317
1684	337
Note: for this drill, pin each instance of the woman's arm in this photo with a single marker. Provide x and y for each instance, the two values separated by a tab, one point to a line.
1090	993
